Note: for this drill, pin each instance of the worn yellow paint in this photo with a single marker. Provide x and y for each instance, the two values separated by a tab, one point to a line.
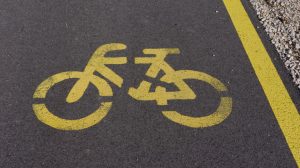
215	118
45	116
98	63
281	103
178	77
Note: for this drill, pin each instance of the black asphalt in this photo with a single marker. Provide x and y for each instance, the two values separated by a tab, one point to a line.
40	38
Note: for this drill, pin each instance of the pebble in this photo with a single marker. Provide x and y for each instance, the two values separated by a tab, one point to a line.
281	20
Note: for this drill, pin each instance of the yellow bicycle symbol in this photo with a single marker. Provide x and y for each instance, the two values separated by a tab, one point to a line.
157	62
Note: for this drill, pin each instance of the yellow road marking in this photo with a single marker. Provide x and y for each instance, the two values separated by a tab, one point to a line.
47	117
281	103
142	93
185	92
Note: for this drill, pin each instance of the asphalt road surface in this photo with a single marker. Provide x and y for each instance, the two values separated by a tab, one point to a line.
41	38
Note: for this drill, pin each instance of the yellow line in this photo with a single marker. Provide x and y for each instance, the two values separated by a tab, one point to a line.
281	103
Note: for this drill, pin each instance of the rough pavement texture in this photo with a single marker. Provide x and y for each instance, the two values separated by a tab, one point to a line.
42	38
281	19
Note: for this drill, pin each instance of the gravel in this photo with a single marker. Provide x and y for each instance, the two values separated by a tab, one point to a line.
281	20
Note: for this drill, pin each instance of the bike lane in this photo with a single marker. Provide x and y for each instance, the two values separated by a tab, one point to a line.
135	133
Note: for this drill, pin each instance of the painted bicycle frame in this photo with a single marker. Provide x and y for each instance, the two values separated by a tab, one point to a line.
98	63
